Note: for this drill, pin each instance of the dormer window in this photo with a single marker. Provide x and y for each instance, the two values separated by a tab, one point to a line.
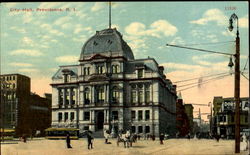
109	42
66	74
86	71
95	43
100	69
66	78
115	69
140	73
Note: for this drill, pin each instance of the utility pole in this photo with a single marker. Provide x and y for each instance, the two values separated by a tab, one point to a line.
236	83
236	77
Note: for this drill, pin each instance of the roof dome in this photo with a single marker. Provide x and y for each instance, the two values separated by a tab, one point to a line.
107	41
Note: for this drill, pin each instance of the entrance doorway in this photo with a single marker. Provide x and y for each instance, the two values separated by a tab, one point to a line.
100	120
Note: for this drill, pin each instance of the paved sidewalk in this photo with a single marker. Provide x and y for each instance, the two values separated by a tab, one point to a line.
170	147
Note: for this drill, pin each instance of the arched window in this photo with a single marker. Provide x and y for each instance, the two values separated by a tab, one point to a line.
86	96
133	94
115	95
100	94
140	93
115	69
147	93
86	71
60	93
73	96
100	70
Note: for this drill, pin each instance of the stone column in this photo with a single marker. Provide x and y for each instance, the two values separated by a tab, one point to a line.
58	96
107	112
107	94
92	94
70	97
105	117
90	116
143	93
64	96
136	115
143	115
93	116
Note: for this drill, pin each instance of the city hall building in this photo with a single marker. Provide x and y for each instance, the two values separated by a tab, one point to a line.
110	89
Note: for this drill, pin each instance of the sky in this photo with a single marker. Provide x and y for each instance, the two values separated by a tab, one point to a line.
36	41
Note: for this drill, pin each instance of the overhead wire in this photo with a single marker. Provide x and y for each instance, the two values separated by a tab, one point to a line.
242	72
208	43
202	81
217	78
199	77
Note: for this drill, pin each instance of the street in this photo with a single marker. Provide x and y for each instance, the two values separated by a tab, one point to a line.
170	147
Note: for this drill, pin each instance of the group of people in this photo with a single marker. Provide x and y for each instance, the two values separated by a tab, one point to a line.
127	137
90	139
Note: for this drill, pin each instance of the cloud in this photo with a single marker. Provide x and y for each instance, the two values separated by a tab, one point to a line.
18	64
67	59
20	30
62	20
28	41
49	5
81	38
53	69
163	26
115	26
34	53
97	6
9	5
243	22
27	17
28	70
212	37
51	30
228	33
137	43
177	41
67	26
198	60
212	15
80	14
157	29
79	28
181	66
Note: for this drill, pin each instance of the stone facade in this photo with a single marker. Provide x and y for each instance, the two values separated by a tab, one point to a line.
110	89
224	117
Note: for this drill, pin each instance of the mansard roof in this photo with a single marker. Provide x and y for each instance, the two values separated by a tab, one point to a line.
107	41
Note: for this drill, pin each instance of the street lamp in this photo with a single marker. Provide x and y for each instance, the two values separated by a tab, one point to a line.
236	83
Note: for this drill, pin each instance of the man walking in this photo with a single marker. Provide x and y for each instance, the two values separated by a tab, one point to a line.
90	140
68	141
161	138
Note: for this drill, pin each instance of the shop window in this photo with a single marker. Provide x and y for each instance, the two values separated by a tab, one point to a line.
147	115
139	115
59	117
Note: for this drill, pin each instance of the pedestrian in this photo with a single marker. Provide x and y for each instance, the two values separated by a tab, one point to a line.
188	136
161	138
153	137
217	138
90	140
106	136
24	138
68	141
